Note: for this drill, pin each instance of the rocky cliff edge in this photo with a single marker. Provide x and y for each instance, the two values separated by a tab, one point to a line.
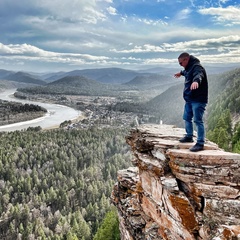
173	193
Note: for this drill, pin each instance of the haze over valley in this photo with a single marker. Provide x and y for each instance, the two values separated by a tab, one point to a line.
106	93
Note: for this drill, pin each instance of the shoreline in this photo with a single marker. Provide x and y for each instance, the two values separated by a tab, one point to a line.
56	114
74	120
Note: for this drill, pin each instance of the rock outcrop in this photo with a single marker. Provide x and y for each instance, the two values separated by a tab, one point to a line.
173	193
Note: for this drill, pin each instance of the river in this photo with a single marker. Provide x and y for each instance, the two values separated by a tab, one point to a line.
56	114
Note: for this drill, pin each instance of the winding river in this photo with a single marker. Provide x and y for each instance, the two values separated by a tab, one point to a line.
56	114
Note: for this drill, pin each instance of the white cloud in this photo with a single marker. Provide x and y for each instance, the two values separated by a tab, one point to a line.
5	49
226	43
223	1
112	11
229	42
108	1
26	51
183	14
140	49
112	32
152	22
230	14
89	11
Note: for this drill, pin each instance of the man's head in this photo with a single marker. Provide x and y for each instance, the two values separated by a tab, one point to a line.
183	59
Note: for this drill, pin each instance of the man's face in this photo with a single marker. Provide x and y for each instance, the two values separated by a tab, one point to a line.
183	62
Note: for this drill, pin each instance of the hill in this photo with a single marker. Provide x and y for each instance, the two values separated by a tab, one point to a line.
223	94
74	85
168	106
5	73
145	86
25	78
149	80
104	75
224	112
8	84
20	77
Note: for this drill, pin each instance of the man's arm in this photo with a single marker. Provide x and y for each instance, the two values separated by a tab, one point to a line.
179	74
198	75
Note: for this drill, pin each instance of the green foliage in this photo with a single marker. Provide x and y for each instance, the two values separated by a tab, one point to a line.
56	184
109	229
12	112
222	133
65	123
224	104
236	139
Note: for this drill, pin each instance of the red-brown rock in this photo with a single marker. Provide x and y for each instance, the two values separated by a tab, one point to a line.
173	193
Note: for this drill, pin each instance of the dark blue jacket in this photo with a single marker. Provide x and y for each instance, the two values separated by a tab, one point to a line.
195	72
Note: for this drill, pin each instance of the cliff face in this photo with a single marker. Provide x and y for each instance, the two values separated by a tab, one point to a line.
173	193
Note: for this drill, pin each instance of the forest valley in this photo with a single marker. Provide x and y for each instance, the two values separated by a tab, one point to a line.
56	184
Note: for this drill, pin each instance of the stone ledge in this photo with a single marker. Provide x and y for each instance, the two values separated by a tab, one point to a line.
184	195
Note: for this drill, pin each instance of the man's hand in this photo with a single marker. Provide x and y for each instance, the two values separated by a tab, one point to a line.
194	86
177	75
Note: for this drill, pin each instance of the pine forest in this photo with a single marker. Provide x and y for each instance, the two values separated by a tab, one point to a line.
56	184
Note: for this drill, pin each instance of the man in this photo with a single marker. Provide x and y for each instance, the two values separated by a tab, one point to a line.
195	95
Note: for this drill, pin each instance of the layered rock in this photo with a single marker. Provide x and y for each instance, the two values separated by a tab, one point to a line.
173	193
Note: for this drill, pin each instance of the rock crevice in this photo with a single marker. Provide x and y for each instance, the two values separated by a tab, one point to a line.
173	193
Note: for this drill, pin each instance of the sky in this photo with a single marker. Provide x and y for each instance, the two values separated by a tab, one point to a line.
63	35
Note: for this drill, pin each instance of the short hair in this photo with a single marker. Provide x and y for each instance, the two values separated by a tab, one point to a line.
184	55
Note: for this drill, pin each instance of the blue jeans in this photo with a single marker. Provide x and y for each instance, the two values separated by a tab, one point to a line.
195	110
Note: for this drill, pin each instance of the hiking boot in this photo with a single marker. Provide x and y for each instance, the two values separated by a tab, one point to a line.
197	147
186	139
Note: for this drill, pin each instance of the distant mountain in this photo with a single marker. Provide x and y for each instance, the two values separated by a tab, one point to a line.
5	73
168	106
20	77
8	84
76	82
219	69
224	93
73	85
104	75
25	78
51	77
169	71
150	80
131	77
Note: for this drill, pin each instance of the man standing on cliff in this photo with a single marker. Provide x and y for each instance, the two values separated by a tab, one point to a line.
195	95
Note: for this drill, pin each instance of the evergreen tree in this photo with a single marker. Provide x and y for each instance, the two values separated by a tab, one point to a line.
109	229
222	133
54	182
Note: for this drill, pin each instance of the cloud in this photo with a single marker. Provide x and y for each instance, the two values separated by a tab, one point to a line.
26	51
126	32
112	11
140	49
221	15
227	43
215	50
183	14
152	22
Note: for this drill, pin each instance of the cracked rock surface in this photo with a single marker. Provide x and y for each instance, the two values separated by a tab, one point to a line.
173	193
